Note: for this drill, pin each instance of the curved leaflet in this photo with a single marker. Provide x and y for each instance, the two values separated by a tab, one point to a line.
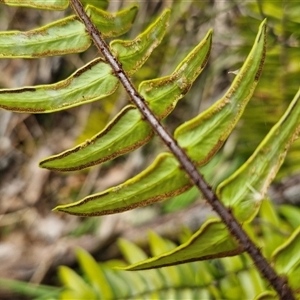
58	38
244	190
133	54
204	135
94	273
163	175
89	83
77	287
120	137
64	36
164	184
123	134
212	240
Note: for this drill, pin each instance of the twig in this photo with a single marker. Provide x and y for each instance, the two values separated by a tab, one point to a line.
279	283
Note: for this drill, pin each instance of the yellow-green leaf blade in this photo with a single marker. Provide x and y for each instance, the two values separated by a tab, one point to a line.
48	4
64	36
163	179
244	190
287	260
212	240
124	133
216	123
89	83
77	287
163	93
133	54
58	38
94	273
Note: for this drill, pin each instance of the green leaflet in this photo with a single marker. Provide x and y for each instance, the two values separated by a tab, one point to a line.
89	83
133	54
94	273
163	175
245	189
225	113
286	259
155	183
64	36
78	288
48	4
128	131
61	37
212	240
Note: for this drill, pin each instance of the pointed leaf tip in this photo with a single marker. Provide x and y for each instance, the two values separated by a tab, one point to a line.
126	132
133	54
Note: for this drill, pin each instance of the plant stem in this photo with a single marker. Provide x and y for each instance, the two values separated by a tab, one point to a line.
279	283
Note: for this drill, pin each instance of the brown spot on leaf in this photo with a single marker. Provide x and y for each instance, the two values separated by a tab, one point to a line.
258	73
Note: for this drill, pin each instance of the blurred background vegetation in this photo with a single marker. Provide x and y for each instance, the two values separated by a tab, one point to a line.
34	240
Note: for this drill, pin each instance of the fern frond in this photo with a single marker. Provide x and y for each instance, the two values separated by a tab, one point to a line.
198	140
